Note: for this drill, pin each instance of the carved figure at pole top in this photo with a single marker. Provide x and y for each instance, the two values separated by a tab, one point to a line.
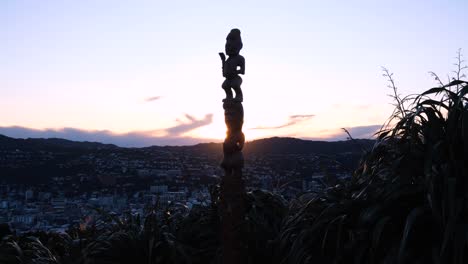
233	66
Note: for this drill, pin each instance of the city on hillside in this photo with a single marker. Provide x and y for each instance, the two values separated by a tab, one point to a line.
53	188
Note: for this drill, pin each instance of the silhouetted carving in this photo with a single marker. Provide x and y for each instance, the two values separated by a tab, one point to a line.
232	185
233	66
234	142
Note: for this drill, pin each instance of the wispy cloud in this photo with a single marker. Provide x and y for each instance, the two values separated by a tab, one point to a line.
293	120
301	116
189	117
191	124
154	98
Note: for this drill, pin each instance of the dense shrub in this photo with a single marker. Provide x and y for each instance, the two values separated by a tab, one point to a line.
407	202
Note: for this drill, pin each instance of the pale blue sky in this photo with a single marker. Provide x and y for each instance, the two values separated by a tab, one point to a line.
90	65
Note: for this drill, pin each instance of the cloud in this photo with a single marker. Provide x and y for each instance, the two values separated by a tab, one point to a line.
301	116
192	124
131	139
151	138
189	117
154	98
293	120
169	136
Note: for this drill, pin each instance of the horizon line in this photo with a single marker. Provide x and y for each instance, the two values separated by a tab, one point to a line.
193	144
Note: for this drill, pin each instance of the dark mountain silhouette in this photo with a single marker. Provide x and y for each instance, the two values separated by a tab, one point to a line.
29	161
49	144
278	145
274	145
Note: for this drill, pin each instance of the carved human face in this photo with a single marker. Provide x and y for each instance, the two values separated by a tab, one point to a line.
233	45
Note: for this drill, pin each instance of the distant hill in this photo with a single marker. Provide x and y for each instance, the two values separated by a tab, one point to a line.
49	144
274	145
278	145
38	160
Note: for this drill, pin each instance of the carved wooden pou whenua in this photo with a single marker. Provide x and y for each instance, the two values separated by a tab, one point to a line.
232	185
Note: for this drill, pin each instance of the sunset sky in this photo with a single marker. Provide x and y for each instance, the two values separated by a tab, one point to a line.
138	73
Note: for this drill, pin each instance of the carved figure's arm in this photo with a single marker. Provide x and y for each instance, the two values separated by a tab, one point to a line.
223	57
223	60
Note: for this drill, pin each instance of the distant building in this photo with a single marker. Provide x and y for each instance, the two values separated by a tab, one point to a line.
58	204
4	204
174	173
158	189
313	183
172	197
3	218
44	196
26	219
28	195
144	173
